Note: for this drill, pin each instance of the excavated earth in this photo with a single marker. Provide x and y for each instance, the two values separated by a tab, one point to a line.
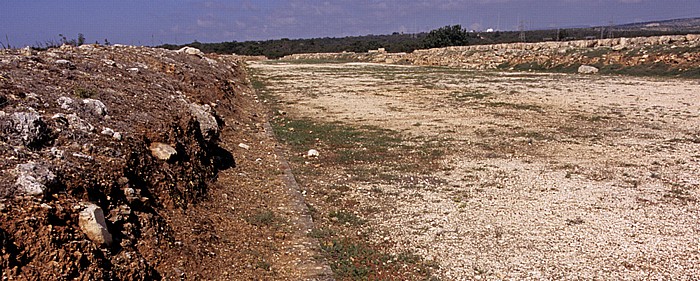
169	146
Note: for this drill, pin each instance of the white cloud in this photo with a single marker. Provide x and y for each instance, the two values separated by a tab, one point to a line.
206	23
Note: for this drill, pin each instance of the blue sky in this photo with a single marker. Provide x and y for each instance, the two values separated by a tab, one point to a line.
149	22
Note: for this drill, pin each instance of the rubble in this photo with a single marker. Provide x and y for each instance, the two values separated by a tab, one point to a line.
77	126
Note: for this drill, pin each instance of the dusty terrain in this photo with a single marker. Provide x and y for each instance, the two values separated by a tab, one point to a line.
493	175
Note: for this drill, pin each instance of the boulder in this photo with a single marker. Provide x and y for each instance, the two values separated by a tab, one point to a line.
27	128
191	51
96	106
207	122
65	63
75	122
92	223
162	151
65	103
33	178
587	69
692	37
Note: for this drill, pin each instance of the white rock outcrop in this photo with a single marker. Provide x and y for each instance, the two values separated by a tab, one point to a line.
32	178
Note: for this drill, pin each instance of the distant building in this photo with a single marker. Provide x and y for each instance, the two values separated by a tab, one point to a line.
489	30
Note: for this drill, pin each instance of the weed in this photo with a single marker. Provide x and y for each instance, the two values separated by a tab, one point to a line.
320	233
358	261
597	52
84	93
459	96
264	218
576	221
516	106
347	218
264	265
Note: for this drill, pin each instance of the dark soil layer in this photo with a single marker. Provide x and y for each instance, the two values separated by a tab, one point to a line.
184	218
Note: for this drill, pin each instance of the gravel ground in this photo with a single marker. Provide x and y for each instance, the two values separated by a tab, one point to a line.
544	176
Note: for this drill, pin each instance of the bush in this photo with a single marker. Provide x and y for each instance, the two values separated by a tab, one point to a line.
446	36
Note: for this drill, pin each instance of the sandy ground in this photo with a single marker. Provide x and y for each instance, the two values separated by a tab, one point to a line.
545	176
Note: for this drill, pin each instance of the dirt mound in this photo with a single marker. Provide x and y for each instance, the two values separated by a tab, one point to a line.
134	131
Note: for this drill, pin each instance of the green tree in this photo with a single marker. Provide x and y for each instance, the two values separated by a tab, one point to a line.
81	39
446	36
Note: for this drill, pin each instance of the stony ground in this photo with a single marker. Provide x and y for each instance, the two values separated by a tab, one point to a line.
492	175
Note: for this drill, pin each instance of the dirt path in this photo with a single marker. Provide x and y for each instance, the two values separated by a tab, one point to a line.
541	176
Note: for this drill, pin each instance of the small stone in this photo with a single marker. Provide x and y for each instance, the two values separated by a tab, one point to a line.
107	131
162	151
92	223
619	47
117	136
133	70
27	51
129	192
82	156
122	180
57	153
312	153
87	47
244	146
109	62
587	69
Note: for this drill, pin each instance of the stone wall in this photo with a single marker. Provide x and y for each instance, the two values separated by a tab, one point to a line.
682	51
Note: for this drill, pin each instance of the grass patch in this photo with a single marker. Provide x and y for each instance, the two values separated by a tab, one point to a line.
517	106
263	218
459	96
314	61
84	93
345	145
347	218
597	52
351	260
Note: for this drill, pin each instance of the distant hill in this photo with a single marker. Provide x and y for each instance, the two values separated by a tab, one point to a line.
691	25
399	42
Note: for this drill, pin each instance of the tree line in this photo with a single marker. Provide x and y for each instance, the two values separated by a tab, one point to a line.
453	35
